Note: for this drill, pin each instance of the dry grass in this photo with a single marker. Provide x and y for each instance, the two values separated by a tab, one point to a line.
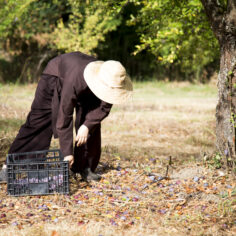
164	119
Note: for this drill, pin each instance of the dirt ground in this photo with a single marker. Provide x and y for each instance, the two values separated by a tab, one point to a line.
142	192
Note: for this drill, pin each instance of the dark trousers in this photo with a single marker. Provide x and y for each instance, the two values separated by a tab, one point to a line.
36	133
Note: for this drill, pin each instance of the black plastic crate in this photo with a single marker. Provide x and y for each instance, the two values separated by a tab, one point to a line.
37	173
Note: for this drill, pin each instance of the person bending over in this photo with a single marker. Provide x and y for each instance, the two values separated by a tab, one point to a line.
73	81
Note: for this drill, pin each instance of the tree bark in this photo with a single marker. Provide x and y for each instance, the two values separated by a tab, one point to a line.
223	22
225	109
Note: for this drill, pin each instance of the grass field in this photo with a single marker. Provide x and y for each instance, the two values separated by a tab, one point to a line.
163	120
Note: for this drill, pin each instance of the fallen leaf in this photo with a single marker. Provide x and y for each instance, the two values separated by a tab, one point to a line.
55	233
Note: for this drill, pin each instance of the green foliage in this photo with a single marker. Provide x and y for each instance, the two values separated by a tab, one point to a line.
66	25
176	32
10	12
215	161
33	31
27	24
88	24
233	119
170	38
225	208
24	37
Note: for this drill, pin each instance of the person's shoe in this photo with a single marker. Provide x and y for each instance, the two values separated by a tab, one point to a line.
87	175
3	174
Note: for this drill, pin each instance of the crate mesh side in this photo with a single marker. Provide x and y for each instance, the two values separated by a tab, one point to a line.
28	177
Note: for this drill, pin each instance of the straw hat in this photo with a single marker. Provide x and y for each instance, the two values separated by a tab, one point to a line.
108	81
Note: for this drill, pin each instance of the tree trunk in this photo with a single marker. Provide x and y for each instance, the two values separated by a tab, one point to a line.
226	105
223	22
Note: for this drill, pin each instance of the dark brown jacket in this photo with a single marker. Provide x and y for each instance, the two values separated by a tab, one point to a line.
72	91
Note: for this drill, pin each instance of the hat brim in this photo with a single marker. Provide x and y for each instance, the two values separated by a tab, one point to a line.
104	92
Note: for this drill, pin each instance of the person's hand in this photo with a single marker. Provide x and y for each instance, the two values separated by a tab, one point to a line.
82	135
69	158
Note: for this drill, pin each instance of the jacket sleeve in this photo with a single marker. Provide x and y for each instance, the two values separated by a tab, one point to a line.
64	123
95	116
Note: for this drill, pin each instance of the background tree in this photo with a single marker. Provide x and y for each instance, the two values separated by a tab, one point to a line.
156	38
178	34
25	28
88	23
222	17
34	31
